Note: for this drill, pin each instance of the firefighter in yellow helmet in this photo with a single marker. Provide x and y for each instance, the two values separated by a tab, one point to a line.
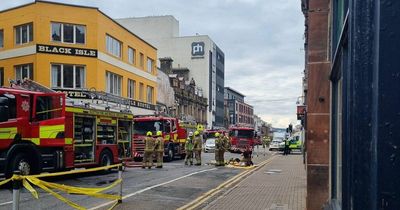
159	149
197	145
219	149
189	149
148	150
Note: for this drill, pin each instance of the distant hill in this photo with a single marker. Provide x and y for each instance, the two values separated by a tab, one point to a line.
278	129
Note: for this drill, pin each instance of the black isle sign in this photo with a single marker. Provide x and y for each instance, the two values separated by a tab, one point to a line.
60	50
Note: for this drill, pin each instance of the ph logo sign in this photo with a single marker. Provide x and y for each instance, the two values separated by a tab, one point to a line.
197	48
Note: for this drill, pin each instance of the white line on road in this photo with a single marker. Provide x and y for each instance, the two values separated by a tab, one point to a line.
5	203
151	187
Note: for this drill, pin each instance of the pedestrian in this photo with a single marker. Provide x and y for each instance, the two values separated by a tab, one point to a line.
286	148
148	150
159	149
197	147
220	145
189	149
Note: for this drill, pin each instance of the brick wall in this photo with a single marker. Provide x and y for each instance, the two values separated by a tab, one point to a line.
317	127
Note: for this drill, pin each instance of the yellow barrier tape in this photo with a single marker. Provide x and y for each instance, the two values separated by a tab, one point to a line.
59	197
77	171
30	188
47	186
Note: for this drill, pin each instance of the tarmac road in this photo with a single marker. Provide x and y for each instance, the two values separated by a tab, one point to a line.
168	188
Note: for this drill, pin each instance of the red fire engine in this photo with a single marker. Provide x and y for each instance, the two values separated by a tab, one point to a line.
173	133
38	132
241	138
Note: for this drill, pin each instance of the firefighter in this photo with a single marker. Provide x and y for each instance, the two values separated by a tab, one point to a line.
148	150
227	141
219	149
247	152
197	147
159	149
189	149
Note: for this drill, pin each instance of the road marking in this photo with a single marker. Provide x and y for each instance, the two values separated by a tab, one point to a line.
200	200
5	203
151	187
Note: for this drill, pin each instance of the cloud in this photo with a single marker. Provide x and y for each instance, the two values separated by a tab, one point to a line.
261	40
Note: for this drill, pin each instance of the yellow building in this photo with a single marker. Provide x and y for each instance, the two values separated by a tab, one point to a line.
78	50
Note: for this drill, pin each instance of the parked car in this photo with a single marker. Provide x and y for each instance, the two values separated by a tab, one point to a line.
209	146
277	145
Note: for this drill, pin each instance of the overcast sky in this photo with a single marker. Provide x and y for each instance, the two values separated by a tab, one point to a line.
262	41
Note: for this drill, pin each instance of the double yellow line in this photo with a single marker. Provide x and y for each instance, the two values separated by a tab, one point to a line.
204	197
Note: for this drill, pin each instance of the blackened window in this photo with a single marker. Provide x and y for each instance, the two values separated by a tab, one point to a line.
68	33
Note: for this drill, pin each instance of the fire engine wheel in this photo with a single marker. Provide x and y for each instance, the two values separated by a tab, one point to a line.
171	155
22	163
106	159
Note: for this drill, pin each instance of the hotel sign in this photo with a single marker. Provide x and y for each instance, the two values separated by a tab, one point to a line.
60	50
86	94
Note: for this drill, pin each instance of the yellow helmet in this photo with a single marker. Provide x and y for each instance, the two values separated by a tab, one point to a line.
159	133
149	133
196	133
216	134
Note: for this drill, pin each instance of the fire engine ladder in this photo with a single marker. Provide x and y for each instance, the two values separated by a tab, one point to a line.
107	100
31	85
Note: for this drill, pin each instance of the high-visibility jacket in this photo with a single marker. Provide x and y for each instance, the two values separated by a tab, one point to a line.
159	144
197	143
150	144
189	144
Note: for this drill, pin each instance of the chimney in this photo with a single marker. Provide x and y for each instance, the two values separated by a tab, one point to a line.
166	65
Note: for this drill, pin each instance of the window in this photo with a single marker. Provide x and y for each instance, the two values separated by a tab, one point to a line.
131	88
67	76
113	46
149	65
113	83
48	107
23	33
8	107
141	62
68	33
150	94
24	71
131	55
1	76
1	38
141	96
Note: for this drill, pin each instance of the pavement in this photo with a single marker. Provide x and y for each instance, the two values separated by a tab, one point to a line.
280	184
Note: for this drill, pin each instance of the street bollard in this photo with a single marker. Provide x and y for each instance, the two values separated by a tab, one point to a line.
16	184
120	185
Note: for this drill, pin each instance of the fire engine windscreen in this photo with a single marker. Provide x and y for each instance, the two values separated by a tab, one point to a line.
243	133
48	107
141	127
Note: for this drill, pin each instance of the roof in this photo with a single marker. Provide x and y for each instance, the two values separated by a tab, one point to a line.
235	91
23	91
79	6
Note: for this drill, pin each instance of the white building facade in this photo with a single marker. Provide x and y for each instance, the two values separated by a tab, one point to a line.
197	53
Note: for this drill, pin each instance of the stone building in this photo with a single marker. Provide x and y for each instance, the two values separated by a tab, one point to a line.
190	105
